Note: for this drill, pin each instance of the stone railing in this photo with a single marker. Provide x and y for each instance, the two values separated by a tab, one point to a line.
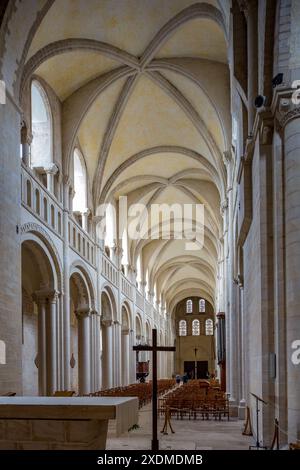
139	300
148	308
126	287
40	202
109	270
80	241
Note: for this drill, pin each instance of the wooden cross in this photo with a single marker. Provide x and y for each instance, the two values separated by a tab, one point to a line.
154	348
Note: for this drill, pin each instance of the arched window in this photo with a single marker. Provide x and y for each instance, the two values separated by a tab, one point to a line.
202	306
196	328
182	328
189	306
110	226
41	124
209	327
80	183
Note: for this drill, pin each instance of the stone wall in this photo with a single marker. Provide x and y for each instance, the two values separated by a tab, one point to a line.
52	434
10	275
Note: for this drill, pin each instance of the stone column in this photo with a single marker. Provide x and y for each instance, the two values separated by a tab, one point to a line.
229	302
51	318
116	353
242	403
92	350
290	123
97	364
51	170
132	357
84	218
66	371
84	354
107	364
71	195
26	140
125	357
42	368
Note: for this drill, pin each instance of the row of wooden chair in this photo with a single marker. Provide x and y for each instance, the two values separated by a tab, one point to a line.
195	399
141	390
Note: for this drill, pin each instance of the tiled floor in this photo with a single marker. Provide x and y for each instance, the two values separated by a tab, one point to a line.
189	435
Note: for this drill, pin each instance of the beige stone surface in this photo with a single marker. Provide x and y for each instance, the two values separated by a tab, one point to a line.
189	435
158	96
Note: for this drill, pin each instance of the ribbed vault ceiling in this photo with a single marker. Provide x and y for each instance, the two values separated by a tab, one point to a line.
144	86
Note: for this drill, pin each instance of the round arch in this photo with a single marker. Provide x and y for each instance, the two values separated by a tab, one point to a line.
107	296
125	310
83	282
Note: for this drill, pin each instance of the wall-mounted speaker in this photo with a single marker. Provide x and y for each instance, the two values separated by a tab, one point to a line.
277	80
259	101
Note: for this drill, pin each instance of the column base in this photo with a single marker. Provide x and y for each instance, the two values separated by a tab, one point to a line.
233	408
242	410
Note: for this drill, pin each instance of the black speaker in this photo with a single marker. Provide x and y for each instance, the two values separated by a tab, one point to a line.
259	101
277	80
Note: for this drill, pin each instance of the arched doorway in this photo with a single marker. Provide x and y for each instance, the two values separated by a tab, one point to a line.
40	304
125	346
80	341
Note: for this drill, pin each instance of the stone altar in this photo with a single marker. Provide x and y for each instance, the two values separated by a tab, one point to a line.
63	423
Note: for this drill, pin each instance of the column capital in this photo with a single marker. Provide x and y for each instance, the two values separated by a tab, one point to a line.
87	211
117	248
66	180
227	157
224	205
44	295
51	169
287	112
94	312
83	312
26	137
125	332
106	323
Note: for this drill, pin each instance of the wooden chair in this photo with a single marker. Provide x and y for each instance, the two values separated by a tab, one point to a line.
63	393
294	446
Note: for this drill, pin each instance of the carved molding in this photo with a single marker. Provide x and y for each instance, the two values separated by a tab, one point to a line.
267	134
75	44
82	312
198	10
224	205
227	157
112	125
32	227
155	150
287	113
